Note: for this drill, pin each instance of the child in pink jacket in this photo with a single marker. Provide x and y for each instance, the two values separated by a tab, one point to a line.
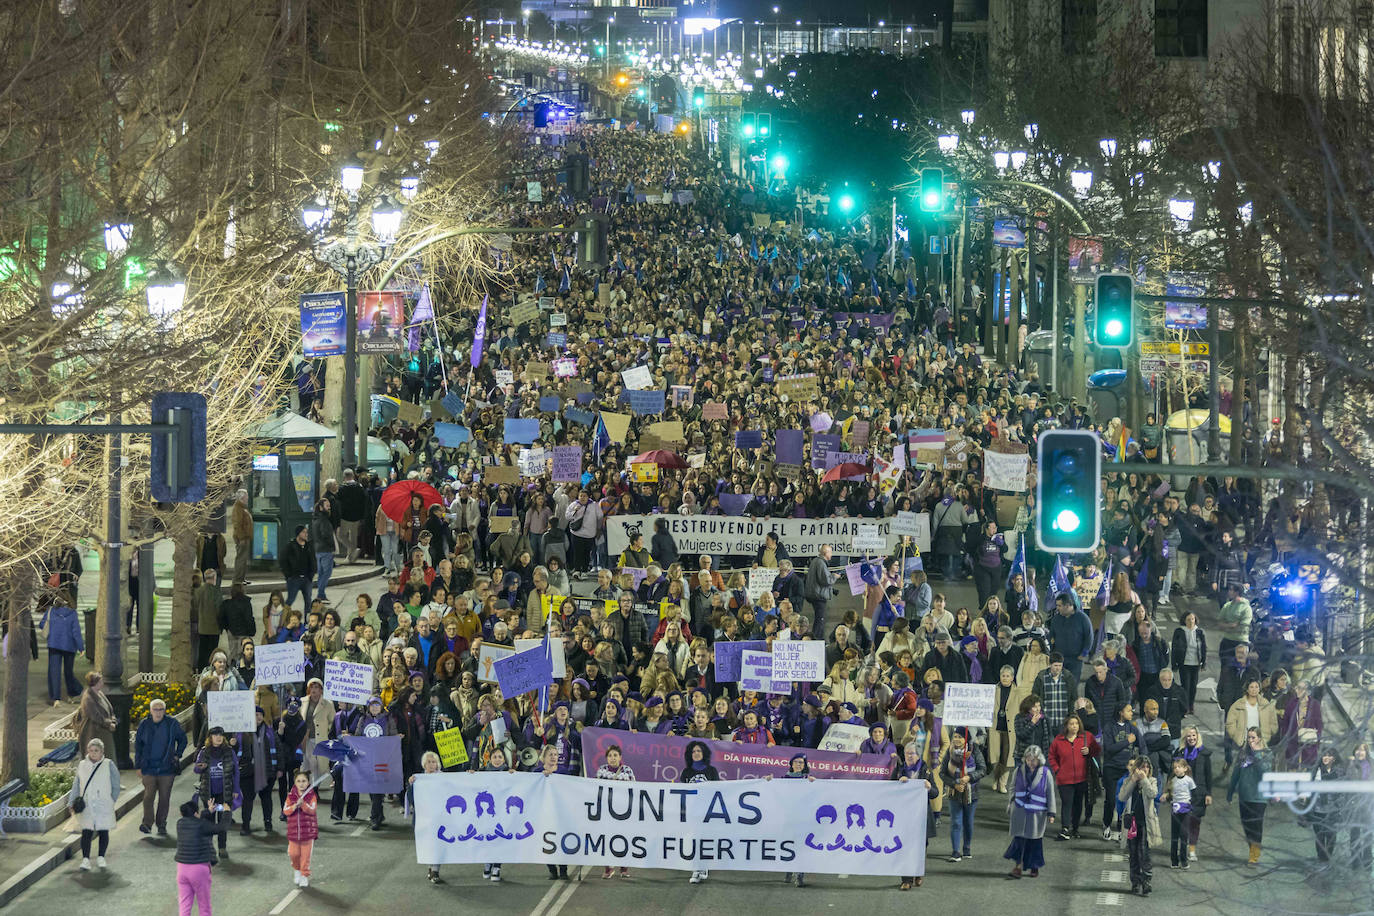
301	827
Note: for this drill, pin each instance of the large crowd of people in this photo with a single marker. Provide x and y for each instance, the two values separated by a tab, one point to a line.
720	293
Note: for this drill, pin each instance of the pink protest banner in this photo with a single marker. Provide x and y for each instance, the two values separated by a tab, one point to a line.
658	758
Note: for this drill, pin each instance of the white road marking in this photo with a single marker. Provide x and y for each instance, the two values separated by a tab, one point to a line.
567	894
544	901
1109	899
285	902
1113	857
1113	877
359	832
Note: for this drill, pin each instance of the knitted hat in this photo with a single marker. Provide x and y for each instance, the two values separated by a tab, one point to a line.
652	702
925	705
812	700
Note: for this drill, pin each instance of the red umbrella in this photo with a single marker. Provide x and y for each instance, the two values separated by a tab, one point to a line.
846	471
661	457
396	498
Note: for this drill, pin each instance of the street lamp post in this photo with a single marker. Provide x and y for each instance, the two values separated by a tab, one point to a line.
350	257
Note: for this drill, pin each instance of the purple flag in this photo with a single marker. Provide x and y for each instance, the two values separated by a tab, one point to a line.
377	766
424	311
479	338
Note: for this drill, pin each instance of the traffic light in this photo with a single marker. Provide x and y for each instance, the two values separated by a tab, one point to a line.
748	125
1115	310
177	458
1068	491
846	202
579	175
932	190
765	125
591	242
699	97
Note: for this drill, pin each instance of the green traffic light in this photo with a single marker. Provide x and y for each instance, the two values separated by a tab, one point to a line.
1067	521
779	163
930	201
1114	327
763	130
846	203
749	130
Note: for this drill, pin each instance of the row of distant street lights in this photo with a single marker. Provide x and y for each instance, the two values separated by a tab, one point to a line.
1181	207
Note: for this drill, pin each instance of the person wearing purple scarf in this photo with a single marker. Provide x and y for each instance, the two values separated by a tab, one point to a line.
878	742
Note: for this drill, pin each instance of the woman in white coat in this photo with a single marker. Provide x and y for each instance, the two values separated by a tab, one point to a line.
97	786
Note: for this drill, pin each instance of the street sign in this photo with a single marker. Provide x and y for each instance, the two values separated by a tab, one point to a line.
1173	348
1156	365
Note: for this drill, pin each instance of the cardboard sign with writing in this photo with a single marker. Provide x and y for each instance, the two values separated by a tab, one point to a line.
617	426
638	378
500	523
799	387
760	581
567	463
536	371
798	660
347	682
502	473
231	710
645	471
410	414
715	410
957	450
668	431
279	663
560	664
523	312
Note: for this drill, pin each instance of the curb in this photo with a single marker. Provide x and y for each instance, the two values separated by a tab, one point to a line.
261	587
64	849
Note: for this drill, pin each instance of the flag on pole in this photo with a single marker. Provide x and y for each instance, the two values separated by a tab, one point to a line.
539	284
565	284
1059	579
1121	444
479	338
754	249
424	311
1103	596
601	440
796	283
873	283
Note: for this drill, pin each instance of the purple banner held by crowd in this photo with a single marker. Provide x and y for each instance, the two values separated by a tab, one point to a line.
658	758
479	338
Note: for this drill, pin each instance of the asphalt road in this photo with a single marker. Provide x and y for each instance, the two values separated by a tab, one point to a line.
361	872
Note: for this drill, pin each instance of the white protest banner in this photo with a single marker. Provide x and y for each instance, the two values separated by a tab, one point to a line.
798	660
347	682
231	710
733	534
756	671
1007	472
558	320
278	663
841	737
486	661
870	539
638	379
970	704
856	827
760	581
560	664
504	377
534	191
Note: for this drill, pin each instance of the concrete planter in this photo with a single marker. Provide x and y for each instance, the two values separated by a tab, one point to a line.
35	820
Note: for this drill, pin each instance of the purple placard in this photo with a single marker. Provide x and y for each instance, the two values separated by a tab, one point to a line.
821	446
658	758
789	446
749	438
524	671
727	657
567	463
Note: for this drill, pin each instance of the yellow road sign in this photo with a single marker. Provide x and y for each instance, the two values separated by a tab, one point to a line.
1173	348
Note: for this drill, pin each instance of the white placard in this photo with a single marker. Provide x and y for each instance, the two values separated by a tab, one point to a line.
558	320
798	660
504	377
347	682
905	523
486	661
869	538
278	663
760	581
534	191
845	738
231	710
1005	472
560	664
638	379
970	704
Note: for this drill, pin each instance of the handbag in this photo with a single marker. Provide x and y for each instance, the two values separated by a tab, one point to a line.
79	804
1307	736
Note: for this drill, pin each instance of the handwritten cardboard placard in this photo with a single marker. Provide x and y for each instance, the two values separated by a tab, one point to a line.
617	426
452	749
567	463
715	410
804	387
645	471
486	661
668	431
498	524
231	710
523	312
502	473
524	671
638	378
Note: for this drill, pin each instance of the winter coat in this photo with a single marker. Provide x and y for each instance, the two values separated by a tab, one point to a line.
1236	719
975	767
63	626
1117	747
100	784
1067	762
218	765
1026	823
1107	696
236	616
1149	790
301	825
93	718
1028	734
259	756
158	746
